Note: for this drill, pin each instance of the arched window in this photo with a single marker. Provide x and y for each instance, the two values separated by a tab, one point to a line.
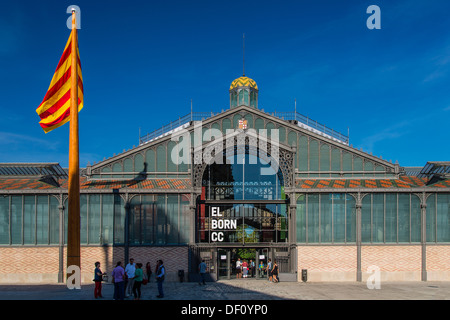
243	177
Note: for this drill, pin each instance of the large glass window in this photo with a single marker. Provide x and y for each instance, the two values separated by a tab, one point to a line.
29	220
159	220
243	177
94	219
54	213
326	218
107	219
16	219
42	220
390	218
366	219
438	218
313	214
339	218
443	217
404	217
119	219
153	219
83	218
102	219
4	220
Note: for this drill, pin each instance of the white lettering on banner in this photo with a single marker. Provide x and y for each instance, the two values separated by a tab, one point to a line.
215	212
216	236
218	223
223	224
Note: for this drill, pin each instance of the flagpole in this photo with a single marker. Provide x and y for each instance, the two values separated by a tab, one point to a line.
73	226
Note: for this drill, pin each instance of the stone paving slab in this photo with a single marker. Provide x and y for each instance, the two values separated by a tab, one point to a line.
243	290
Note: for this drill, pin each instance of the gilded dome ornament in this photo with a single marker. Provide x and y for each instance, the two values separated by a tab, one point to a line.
243	82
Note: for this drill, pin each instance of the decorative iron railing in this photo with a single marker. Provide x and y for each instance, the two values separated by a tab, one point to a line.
295	116
288	116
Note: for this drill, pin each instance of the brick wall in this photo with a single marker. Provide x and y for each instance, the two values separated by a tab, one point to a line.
174	258
328	263
324	263
41	264
395	263
29	265
438	263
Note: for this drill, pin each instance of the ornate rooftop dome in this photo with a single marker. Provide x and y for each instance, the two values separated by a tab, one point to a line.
243	82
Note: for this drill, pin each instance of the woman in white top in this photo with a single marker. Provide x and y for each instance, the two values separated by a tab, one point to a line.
238	268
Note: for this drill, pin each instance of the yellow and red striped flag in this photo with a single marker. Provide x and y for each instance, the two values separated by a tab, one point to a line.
54	110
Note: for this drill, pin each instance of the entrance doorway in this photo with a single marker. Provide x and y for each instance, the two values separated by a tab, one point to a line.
229	258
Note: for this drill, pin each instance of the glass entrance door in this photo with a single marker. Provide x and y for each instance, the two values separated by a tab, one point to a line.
224	264
229	258
262	257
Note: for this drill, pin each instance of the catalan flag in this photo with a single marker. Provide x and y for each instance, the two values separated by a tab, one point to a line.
54	110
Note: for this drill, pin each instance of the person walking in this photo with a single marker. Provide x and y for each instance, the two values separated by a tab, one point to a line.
202	271
98	278
129	272
269	269
118	279
261	269
238	268
160	275
275	272
148	270
138	278
252	268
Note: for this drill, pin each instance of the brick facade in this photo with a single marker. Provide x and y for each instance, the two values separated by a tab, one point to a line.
327	263
324	263
438	262
41	264
395	262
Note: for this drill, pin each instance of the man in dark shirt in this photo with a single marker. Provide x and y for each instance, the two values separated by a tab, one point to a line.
160	273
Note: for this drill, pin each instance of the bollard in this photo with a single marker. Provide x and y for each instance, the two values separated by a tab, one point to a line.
181	275
304	275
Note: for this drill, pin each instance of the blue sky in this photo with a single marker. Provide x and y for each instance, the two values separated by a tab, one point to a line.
143	62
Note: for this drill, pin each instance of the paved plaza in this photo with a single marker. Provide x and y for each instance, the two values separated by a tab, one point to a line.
243	290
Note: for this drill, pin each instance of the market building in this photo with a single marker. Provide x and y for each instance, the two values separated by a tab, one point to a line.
242	183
